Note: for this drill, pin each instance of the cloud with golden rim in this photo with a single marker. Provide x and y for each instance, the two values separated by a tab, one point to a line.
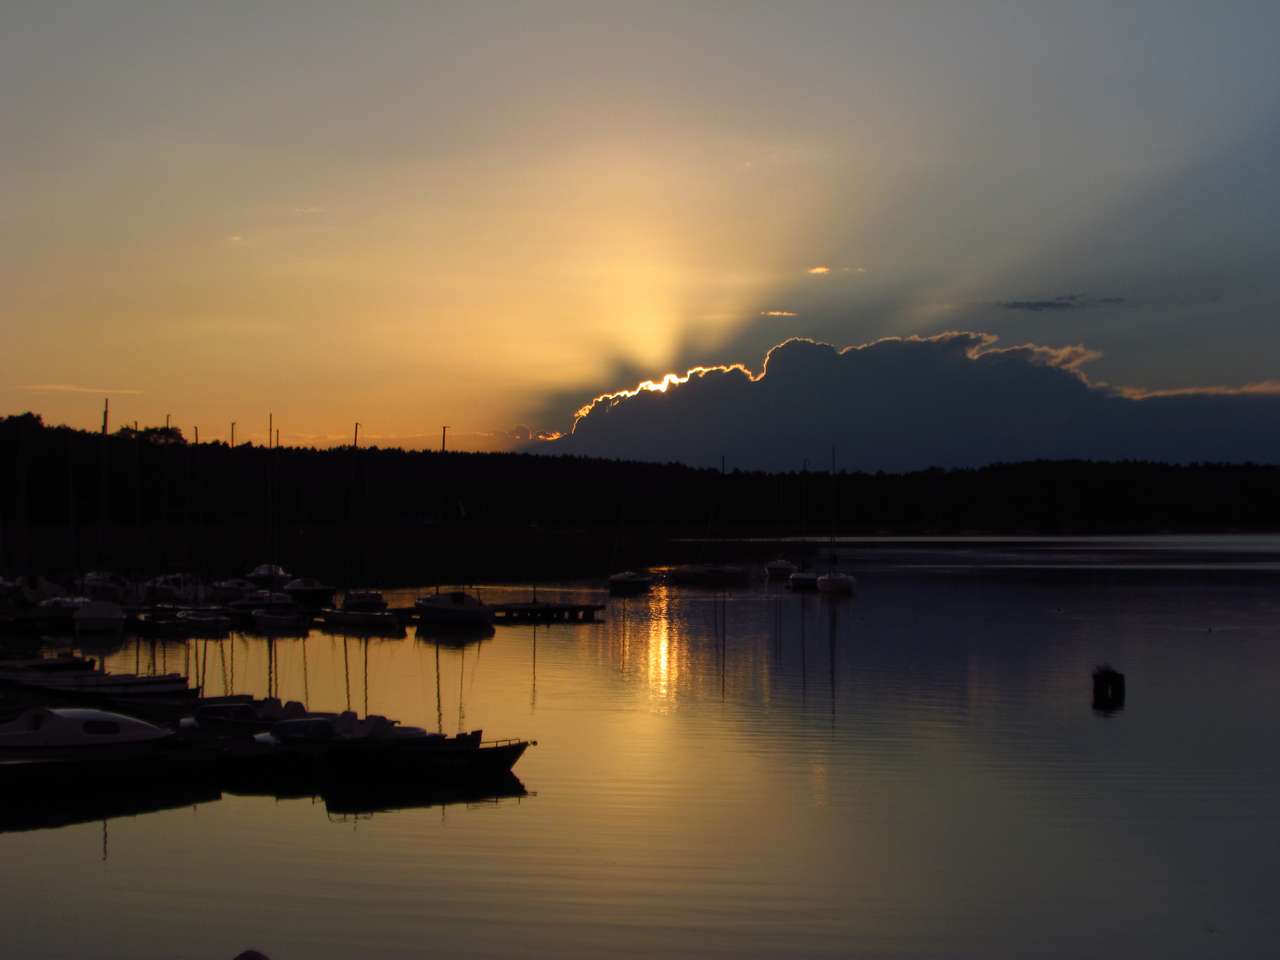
954	399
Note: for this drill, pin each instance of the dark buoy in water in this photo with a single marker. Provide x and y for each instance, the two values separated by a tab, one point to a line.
1108	689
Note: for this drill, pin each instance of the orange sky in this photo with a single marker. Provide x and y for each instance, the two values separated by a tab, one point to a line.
484	218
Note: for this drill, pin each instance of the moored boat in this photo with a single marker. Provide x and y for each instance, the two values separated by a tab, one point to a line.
205	621
364	601
453	608
324	747
630	583
803	581
779	568
363	609
76	677
271	576
98	616
835	583
309	592
72	743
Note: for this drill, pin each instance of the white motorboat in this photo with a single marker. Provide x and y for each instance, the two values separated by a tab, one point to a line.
453	608
835	583
73	747
64	733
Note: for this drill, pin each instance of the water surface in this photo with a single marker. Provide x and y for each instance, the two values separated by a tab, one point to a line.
917	772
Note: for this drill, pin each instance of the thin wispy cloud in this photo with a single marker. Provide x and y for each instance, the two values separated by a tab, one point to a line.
778	313
1067	301
1263	388
818	271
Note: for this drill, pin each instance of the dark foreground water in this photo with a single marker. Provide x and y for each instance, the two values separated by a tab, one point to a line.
915	773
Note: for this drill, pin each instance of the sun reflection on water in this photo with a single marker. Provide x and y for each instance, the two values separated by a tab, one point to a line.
664	669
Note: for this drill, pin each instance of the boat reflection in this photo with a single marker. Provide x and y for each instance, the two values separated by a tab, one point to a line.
364	796
40	807
385	631
53	805
453	635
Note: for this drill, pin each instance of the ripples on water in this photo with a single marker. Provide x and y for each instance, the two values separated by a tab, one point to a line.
915	773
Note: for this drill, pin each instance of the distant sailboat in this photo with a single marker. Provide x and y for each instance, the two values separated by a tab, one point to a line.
630	583
834	582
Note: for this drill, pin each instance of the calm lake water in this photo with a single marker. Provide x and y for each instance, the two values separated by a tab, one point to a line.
917	772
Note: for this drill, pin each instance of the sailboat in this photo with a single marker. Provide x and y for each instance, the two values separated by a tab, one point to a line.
630	583
834	582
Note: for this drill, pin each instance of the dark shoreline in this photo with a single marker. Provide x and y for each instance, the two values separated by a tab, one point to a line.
149	502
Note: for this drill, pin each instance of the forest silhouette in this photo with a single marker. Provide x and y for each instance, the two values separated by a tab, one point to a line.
148	501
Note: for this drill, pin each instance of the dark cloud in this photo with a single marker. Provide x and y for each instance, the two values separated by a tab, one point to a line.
1068	301
954	399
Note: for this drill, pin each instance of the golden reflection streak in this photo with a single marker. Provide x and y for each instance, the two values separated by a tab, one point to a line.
664	668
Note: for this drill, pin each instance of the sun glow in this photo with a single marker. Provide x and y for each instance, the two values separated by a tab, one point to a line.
676	379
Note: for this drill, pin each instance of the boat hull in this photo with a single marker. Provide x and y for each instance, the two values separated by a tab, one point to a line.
803	582
835	585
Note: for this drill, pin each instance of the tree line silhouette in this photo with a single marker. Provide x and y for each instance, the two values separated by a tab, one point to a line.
147	501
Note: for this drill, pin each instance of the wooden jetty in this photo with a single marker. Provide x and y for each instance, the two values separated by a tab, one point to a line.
537	612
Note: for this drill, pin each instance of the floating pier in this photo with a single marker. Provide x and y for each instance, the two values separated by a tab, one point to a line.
537	612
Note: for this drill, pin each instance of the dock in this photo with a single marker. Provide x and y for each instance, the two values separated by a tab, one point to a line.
537	612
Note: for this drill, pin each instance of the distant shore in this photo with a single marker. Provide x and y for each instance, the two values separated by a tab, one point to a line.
149	502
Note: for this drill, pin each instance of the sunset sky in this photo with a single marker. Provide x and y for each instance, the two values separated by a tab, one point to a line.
484	215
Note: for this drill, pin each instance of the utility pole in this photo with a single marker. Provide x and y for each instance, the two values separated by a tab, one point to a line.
233	433
443	432
270	429
102	471
197	436
356	441
166	421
